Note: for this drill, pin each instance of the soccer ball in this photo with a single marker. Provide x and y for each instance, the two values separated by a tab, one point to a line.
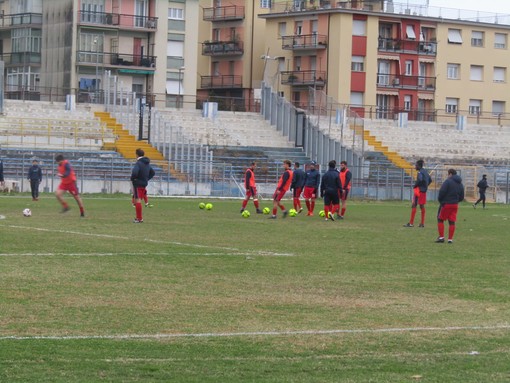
292	212
245	214
322	213
27	212
208	206
266	210
201	205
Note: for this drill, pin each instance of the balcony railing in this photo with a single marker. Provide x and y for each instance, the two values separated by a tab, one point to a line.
117	20
20	19
409	46
21	58
222	48
228	13
304	78
405	82
116	59
313	41
221	82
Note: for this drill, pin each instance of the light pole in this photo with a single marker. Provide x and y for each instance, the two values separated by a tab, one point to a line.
179	100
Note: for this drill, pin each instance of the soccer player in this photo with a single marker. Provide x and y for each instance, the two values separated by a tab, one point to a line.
282	187
141	173
298	181
331	189
345	180
35	177
251	188
450	194
312	182
1	173
67	183
420	187
482	187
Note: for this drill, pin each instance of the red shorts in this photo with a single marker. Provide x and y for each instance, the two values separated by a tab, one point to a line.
278	195
71	188
309	192
419	198
448	212
251	192
139	192
296	192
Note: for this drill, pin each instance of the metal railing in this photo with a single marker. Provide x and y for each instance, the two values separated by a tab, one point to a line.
118	20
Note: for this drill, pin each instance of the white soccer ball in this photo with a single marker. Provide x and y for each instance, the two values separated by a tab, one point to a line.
27	212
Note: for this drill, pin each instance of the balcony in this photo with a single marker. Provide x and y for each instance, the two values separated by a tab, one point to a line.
121	61
21	58
222	48
408	46
405	82
303	42
228	13
18	19
304	78
117	20
221	82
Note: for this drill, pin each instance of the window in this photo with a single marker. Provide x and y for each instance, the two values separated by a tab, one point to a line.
451	105
410	32
26	40
500	41
409	68
476	73
499	74
476	39
299	28
356	99
359	28
475	107
282	29
453	71
407	102
265	3
358	64
175	14
498	108
175	48
454	36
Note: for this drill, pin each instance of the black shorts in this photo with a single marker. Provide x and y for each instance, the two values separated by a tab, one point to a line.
331	198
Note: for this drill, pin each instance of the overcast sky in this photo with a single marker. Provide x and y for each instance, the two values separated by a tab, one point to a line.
496	6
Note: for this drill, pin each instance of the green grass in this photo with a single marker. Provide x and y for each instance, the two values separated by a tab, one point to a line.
163	291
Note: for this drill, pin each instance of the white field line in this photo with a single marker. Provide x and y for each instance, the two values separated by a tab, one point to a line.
118	254
259	333
193	245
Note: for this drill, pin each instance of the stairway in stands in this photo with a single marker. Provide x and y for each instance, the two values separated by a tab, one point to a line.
126	144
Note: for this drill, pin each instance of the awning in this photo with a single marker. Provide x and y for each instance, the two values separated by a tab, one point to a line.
387	93
426	96
396	58
136	71
424	60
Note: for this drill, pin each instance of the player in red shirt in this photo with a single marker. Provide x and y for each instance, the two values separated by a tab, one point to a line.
67	183
282	187
345	180
251	188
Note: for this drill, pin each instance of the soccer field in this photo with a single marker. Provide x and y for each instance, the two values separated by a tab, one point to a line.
208	296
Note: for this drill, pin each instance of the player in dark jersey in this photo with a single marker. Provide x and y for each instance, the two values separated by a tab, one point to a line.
282	187
141	173
420	187
331	189
345	180
298	181
449	196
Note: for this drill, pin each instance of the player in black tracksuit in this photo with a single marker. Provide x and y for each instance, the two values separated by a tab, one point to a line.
298	181
331	189
140	175
482	187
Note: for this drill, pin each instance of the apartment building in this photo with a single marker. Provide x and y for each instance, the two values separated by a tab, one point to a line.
231	51
54	48
385	59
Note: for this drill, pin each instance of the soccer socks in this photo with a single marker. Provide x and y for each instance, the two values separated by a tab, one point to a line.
256	203
245	202
312	204
422	216
138	207
413	214
326	211
451	231
440	229
335	209
308	205
275	210
343	212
